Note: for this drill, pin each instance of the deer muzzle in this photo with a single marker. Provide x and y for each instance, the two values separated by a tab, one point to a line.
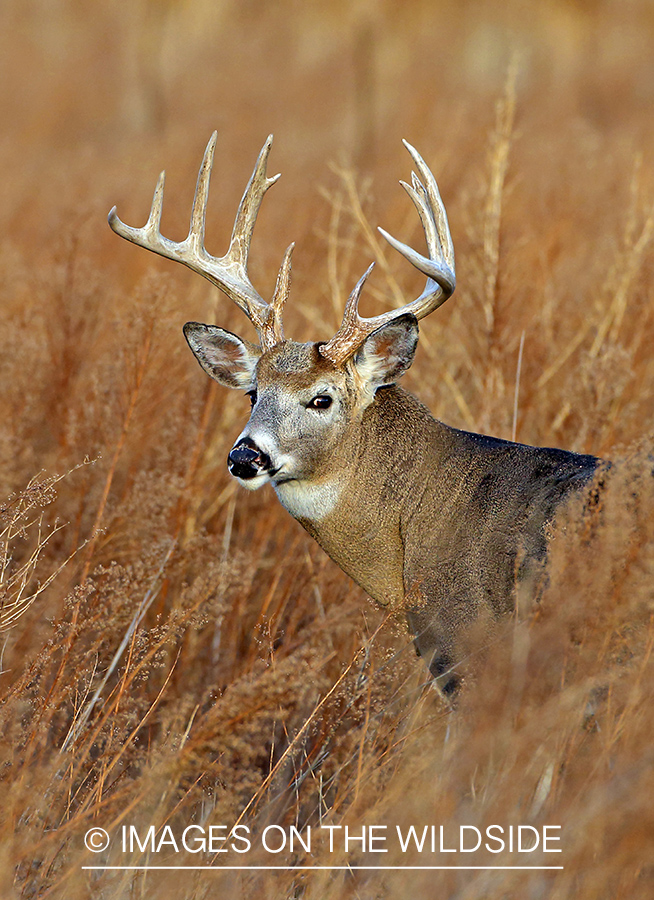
246	460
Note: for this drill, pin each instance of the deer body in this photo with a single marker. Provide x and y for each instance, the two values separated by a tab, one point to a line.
443	523
480	512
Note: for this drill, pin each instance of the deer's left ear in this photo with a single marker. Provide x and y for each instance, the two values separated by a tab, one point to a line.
387	353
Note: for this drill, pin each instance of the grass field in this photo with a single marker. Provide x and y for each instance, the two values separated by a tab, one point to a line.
176	651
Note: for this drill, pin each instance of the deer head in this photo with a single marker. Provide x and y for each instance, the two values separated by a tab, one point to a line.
307	399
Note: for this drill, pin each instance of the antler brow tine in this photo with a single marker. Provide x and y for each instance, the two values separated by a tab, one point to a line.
228	272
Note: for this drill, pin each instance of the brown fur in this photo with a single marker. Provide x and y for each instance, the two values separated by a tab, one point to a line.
442	523
432	513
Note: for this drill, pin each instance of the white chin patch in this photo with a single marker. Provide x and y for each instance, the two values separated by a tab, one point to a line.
252	484
308	501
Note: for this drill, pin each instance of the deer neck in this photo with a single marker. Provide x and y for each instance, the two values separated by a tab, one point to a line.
356	513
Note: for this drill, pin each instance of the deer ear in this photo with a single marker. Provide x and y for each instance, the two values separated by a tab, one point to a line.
224	356
387	353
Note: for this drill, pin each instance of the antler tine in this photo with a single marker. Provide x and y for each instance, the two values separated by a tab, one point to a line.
239	245
354	329
436	204
149	236
274	332
438	267
195	237
228	272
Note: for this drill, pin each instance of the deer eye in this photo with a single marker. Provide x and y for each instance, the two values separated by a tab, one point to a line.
322	401
253	396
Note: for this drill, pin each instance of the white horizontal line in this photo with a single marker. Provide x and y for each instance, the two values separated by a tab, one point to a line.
329	868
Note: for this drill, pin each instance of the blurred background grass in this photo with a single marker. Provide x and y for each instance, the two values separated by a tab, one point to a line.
196	655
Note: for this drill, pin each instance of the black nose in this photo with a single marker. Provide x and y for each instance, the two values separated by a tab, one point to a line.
246	460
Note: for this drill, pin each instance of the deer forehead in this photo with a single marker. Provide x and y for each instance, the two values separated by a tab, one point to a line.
296	367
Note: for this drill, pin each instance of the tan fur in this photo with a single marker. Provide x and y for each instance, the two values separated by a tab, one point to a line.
440	521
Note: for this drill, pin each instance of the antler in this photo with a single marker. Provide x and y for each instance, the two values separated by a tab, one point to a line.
228	272
439	268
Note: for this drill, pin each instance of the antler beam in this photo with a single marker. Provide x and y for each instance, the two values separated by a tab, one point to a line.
228	272
438	267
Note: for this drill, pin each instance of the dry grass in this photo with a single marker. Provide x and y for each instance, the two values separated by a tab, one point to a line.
197	659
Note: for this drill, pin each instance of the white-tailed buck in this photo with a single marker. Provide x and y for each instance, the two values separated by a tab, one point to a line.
441	522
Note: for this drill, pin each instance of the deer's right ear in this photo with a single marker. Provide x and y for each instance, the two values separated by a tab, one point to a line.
224	356
387	353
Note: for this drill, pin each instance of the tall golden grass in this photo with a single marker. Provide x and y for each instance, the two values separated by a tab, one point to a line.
176	651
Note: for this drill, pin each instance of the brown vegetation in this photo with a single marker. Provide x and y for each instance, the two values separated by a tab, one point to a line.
179	651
